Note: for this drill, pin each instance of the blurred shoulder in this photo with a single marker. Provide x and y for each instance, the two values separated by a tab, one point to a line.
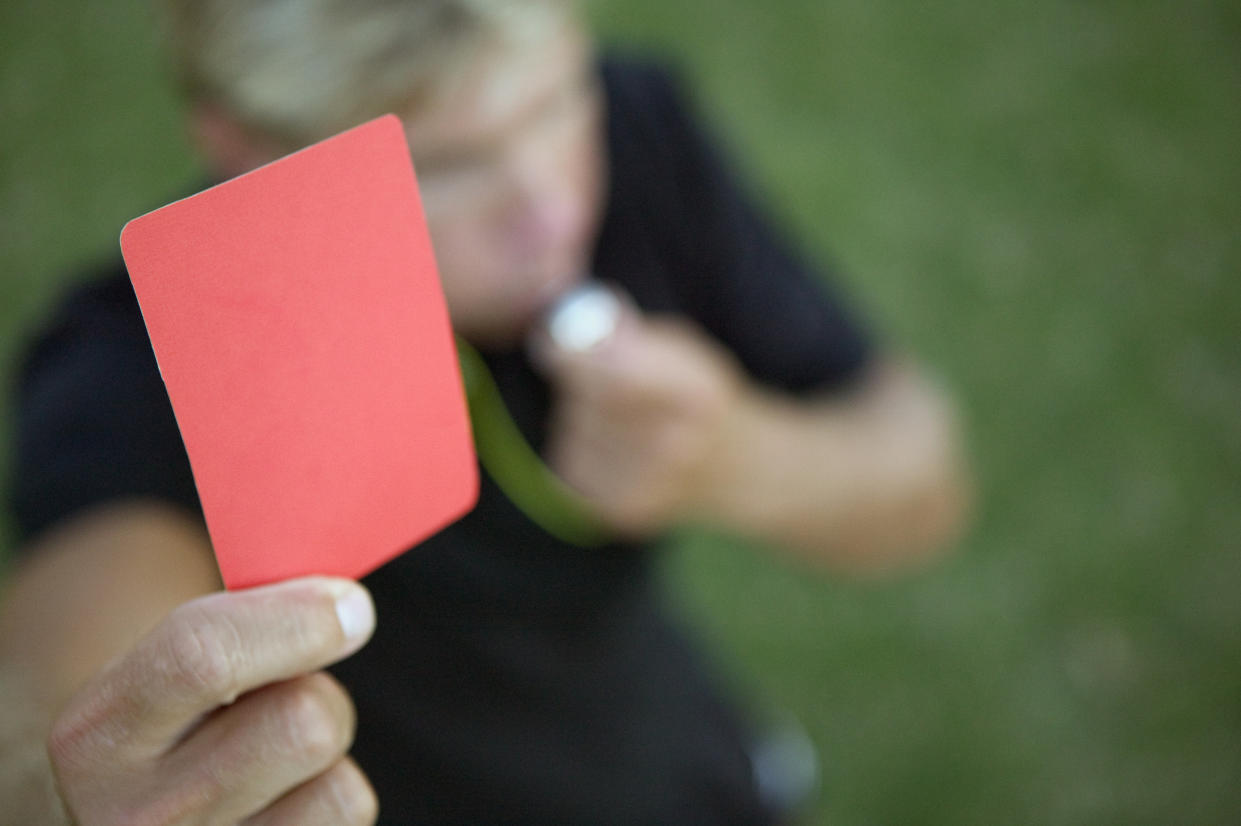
643	86
99	306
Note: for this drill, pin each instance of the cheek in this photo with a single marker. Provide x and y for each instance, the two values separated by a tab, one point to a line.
527	230
450	240
583	169
477	287
463	261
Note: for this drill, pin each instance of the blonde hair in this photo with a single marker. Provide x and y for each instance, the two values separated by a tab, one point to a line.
303	69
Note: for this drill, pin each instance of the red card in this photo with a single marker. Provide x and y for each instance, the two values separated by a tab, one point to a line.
299	324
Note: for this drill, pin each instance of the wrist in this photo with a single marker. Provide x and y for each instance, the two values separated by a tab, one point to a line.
754	480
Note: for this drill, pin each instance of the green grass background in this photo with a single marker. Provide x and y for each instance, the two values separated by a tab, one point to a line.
1042	201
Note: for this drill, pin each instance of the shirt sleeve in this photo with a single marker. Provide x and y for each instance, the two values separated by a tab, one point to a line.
735	274
93	421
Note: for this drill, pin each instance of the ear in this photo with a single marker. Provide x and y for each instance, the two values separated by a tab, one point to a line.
227	145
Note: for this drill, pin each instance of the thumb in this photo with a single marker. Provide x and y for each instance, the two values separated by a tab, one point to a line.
582	332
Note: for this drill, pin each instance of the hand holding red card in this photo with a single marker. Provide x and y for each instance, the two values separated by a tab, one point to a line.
299	324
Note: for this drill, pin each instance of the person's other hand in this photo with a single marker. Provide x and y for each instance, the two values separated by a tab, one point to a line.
640	418
222	715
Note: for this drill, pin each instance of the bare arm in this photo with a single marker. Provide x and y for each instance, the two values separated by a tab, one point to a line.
658	425
870	480
131	697
92	587
87	592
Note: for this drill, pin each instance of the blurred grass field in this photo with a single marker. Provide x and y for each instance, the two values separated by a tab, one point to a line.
1042	200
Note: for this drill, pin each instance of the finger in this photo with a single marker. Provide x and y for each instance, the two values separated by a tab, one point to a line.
274	739
341	795
645	364
584	327
631	425
587	373
205	654
595	462
584	317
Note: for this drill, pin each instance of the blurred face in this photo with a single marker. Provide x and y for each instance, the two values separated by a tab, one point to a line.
510	161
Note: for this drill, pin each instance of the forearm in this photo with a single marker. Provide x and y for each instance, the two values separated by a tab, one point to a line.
26	782
871	480
82	595
90	588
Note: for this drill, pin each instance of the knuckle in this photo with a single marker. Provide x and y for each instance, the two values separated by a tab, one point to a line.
200	654
313	723
84	734
66	741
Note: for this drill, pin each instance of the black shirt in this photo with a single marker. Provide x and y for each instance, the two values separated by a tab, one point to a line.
512	678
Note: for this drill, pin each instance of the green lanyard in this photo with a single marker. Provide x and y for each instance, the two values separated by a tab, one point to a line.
514	466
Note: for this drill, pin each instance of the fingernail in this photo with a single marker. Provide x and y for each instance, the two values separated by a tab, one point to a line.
356	613
584	318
